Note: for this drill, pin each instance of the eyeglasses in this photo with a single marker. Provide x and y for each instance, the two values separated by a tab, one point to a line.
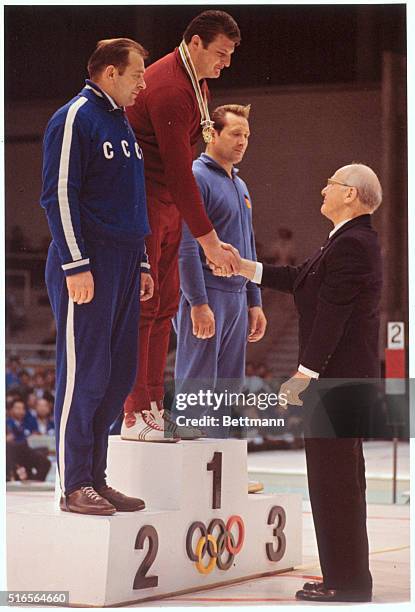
331	181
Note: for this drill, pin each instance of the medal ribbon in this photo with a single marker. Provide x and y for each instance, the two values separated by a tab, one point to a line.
206	123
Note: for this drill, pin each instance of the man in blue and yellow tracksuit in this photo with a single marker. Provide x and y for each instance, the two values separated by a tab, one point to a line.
94	198
217	316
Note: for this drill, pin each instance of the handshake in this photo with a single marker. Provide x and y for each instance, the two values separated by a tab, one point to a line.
225	260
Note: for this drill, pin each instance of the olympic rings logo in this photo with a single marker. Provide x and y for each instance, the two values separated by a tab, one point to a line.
215	540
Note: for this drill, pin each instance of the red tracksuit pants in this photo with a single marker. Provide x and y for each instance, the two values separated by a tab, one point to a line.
156	314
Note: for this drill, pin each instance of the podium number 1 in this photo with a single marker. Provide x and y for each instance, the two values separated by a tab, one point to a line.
215	466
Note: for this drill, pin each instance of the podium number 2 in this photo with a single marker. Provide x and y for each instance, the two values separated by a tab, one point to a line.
141	581
396	335
215	466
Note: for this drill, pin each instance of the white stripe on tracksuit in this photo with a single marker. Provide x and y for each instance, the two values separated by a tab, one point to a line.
70	384
63	180
75	264
76	255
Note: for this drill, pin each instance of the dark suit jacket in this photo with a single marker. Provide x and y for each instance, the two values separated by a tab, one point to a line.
337	294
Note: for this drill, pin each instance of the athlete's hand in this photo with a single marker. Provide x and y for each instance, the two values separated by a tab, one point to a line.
203	321
257	323
247	268
147	287
225	259
80	287
222	255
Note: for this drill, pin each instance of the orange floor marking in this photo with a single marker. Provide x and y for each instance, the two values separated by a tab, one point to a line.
217	599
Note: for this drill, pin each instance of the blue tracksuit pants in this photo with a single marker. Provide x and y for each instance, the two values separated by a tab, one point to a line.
96	358
217	363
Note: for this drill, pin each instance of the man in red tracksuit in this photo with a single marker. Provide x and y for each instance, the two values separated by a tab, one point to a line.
167	121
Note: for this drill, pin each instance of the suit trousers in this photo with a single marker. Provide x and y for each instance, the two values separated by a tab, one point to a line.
156	314
337	483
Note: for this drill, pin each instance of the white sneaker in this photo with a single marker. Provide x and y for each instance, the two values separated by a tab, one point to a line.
149	426
184	432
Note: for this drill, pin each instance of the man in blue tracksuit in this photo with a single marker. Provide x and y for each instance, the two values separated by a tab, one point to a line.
217	316
94	198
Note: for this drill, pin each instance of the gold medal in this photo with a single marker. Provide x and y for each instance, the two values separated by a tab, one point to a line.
207	131
206	123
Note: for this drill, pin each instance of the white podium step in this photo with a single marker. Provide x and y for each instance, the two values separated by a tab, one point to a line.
174	475
131	557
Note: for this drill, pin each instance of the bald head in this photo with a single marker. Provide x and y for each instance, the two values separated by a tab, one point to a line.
366	182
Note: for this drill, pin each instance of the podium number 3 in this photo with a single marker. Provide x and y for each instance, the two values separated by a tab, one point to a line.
275	554
215	466
141	581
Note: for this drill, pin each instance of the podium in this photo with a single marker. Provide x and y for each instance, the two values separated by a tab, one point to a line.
200	529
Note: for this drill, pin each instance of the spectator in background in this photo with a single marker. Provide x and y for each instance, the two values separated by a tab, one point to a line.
20	424
31	403
49	383
44	420
12	372
50	397
25	387
39	384
23	462
282	250
10	397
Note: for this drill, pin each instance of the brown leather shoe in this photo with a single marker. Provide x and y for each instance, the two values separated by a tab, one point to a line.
86	501
121	502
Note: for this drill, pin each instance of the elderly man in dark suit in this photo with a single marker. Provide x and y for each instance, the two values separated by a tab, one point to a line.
337	293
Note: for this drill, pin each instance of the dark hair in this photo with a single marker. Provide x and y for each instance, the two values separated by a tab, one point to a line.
210	24
47	395
219	114
115	52
16	400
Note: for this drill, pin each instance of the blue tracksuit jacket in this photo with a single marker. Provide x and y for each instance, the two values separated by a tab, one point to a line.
93	177
228	206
